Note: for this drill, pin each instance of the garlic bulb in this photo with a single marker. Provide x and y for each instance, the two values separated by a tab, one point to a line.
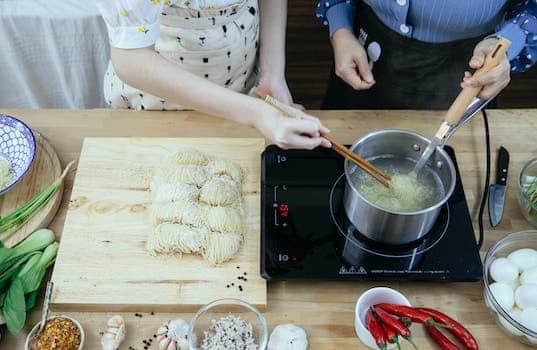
288	337
173	335
115	333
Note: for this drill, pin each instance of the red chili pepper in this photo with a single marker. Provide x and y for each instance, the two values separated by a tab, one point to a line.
393	323
440	339
392	336
458	330
376	329
411	313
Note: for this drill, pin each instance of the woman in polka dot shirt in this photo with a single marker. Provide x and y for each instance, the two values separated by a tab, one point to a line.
412	53
202	54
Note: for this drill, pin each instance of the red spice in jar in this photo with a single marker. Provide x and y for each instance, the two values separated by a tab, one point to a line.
60	333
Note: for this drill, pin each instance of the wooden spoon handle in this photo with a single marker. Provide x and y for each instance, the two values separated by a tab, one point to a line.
461	103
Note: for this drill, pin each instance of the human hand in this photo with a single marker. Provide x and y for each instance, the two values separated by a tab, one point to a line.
351	60
276	86
492	82
291	133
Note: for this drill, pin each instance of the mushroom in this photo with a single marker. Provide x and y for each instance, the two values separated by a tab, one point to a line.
288	337
115	333
173	335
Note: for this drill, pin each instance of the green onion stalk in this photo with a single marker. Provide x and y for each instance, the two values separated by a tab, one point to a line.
532	195
12	222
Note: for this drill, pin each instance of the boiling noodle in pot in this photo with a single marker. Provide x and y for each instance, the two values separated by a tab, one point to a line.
406	193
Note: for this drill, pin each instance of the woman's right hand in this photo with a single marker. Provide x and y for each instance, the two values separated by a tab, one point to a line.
290	133
351	60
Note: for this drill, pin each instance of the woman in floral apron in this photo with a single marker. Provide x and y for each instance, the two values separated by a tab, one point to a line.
202	54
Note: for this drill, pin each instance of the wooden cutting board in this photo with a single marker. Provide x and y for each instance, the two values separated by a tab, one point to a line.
102	264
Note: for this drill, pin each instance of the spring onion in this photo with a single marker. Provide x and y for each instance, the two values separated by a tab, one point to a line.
12	222
532	195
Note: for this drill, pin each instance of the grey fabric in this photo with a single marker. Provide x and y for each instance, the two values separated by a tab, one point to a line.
53	54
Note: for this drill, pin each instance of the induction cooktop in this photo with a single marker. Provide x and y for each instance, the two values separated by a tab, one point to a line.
306	235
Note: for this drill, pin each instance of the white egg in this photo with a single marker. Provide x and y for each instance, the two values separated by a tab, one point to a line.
526	296
504	295
503	270
515	314
529	276
524	258
528	318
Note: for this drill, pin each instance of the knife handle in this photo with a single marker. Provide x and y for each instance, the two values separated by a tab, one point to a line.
502	166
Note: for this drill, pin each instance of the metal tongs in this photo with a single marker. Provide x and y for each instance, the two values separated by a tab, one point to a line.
465	106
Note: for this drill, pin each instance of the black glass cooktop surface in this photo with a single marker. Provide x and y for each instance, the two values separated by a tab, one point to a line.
305	233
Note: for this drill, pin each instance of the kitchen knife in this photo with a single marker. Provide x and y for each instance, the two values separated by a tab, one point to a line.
497	190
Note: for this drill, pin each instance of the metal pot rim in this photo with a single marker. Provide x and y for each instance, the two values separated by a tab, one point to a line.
448	193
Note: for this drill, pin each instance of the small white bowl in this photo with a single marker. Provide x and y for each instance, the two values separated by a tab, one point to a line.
369	298
34	329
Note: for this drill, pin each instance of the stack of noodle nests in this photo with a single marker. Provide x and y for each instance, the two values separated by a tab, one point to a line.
197	207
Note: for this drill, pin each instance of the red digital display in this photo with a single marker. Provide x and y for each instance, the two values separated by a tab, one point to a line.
284	210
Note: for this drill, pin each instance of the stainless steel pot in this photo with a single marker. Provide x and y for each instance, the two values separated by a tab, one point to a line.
382	225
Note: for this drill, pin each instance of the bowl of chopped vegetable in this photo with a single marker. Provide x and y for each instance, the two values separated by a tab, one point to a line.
527	191
17	151
60	332
510	285
228	324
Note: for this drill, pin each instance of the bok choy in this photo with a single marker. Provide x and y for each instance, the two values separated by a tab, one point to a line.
22	269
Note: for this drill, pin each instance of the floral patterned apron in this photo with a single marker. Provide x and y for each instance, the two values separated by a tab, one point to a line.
218	44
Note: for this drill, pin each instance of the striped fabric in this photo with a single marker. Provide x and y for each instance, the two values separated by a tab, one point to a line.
448	20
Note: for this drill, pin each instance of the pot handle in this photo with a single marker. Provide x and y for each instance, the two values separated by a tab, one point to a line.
457	110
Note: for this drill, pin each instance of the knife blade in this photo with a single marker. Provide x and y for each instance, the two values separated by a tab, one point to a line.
497	190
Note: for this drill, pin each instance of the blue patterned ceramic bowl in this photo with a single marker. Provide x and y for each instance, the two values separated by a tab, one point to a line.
17	146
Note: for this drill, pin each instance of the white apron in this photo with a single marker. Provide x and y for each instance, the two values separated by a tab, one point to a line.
218	44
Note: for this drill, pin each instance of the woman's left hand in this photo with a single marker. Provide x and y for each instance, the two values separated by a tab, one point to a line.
492	82
277	88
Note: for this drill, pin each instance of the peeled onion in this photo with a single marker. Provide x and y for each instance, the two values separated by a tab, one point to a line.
526	296
504	295
529	276
503	270
524	258
528	318
515	314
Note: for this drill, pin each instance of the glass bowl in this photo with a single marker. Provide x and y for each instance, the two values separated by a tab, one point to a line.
202	321
502	248
528	175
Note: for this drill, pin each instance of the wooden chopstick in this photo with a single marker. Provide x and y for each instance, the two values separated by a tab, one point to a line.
369	168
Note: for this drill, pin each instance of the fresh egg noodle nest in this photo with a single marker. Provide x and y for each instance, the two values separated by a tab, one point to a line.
197	207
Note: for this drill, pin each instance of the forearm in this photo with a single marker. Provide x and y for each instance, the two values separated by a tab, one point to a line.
150	72
273	22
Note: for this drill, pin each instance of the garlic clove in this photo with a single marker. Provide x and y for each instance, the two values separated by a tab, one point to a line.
163	344
163	329
114	334
115	321
172	346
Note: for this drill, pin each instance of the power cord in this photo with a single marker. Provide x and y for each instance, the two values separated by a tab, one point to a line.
487	180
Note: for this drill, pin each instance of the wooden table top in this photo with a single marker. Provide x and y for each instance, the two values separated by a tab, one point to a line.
324	309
